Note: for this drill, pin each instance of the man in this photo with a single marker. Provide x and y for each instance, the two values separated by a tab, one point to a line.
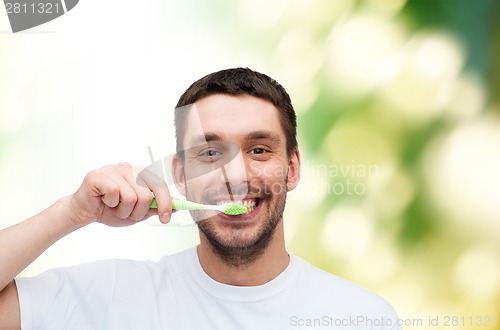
236	141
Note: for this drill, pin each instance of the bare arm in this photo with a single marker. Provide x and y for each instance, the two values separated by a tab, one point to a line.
10	317
109	195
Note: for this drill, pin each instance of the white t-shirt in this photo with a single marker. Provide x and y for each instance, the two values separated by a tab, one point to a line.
175	293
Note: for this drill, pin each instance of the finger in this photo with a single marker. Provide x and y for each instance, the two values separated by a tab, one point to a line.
161	193
143	193
127	195
103	187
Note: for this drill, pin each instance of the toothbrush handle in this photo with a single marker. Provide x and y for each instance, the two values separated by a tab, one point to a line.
179	204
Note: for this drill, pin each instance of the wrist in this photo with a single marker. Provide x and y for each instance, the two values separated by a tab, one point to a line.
65	215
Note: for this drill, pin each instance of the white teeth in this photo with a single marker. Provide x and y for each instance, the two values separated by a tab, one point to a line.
250	205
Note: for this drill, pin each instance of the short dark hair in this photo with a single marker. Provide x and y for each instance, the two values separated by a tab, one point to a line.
239	81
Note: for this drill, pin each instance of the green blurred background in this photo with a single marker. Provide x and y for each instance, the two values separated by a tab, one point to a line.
399	129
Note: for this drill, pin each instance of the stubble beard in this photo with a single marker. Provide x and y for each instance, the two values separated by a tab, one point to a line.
237	249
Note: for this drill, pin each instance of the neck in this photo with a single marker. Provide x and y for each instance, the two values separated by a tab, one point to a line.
267	266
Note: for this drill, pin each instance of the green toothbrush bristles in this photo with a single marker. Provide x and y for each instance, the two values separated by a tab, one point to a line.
235	209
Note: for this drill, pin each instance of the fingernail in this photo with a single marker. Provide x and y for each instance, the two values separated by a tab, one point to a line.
165	217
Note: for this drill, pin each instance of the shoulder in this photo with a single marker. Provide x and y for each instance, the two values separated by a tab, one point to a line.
335	290
106	270
330	282
131	266
177	261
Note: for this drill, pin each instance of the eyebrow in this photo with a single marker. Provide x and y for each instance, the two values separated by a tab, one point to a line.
261	135
254	135
202	138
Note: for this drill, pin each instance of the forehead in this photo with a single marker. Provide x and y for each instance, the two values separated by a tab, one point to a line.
231	117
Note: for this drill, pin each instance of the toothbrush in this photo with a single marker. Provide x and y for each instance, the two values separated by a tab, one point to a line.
228	208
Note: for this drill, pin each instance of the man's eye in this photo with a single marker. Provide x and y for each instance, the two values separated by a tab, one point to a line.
210	153
258	151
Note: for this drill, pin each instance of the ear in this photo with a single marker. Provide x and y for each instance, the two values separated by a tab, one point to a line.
179	174
293	170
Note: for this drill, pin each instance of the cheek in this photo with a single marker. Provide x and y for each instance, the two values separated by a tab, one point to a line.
196	171
197	185
269	173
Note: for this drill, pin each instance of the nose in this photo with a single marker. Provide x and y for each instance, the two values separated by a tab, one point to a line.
234	174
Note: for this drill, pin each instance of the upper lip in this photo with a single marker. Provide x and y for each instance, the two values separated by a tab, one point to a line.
233	199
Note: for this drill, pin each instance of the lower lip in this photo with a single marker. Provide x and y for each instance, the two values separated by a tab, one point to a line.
242	217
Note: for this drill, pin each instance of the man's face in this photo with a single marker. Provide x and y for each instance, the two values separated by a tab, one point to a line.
236	151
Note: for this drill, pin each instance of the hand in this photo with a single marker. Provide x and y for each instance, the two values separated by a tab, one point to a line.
119	195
